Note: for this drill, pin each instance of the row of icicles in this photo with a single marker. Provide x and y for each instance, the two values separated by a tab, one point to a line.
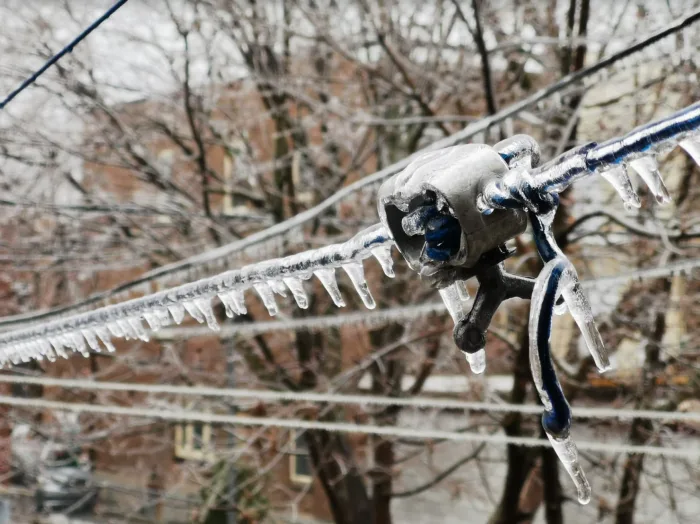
84	339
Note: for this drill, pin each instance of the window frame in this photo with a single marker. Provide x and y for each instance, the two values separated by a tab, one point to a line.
295	454
186	447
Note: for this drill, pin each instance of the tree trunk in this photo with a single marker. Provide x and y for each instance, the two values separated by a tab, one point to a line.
552	492
642	429
520	459
341	481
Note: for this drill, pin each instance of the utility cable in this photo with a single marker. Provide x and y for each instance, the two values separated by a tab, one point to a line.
337	398
67	49
688	452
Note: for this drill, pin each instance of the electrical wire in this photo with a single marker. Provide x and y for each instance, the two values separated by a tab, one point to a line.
70	331
395	314
688	452
259	238
336	398
67	49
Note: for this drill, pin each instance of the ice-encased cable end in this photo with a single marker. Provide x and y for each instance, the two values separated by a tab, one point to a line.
477	361
565	448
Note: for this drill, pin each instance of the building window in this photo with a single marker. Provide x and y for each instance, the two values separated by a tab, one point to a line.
300	470
193	441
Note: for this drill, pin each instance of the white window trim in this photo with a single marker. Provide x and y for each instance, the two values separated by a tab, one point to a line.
185	443
293	457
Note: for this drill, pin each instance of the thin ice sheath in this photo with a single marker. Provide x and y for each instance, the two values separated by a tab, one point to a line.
557	276
643	142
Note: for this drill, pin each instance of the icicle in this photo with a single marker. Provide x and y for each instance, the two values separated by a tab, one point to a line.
19	354
278	287
177	311
565	448
204	305
692	147
89	335
619	179
648	169
462	290
138	328
12	355
296	286
163	316
238	298
36	350
129	333
47	350
22	352
228	304
153	321
79	344
576	300
327	278
103	334
194	311
356	272
267	297
33	350
383	256
58	347
580	309
477	361
115	329
30	352
41	351
450	296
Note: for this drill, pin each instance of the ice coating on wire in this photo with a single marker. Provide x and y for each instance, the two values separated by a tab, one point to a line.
78	332
637	149
555	279
574	297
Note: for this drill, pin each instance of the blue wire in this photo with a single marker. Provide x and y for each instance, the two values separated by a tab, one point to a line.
68	49
556	421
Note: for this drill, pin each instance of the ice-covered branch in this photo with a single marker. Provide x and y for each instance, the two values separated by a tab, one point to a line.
84	332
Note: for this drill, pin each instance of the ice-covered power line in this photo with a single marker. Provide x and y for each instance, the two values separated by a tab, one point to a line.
67	49
344	399
381	317
84	332
262	239
688	452
124	320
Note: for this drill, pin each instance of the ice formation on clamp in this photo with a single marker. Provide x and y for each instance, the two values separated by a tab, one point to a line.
537	191
452	211
96	329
